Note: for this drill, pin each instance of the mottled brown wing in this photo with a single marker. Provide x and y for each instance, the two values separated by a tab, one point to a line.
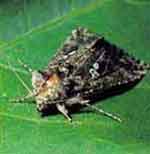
109	67
99	64
75	49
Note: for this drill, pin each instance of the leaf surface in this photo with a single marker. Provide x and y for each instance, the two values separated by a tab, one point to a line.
125	23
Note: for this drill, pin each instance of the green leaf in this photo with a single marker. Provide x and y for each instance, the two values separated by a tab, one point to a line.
22	130
18	17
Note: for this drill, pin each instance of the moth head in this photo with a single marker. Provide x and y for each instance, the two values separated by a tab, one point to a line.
37	79
48	85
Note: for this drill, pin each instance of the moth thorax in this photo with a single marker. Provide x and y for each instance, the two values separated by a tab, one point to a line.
51	89
54	86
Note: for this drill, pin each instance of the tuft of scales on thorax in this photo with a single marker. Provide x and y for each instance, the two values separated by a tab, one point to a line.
48	87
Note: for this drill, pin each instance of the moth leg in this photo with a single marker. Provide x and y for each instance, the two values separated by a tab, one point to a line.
101	111
61	108
110	115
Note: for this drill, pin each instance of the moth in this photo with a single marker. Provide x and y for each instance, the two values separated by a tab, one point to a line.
84	69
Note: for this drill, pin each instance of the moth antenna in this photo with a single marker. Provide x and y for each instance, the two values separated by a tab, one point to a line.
31	94
103	112
21	99
18	100
29	69
21	80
